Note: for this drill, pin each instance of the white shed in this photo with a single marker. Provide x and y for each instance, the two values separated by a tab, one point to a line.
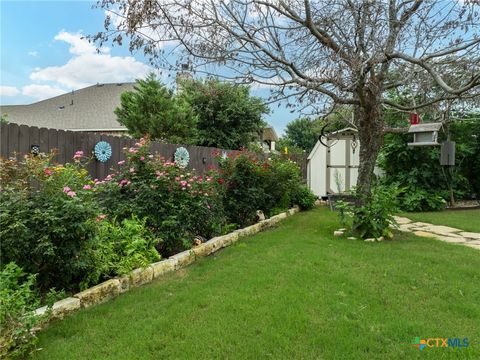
334	168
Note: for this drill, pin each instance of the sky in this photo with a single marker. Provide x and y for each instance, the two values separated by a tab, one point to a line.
43	54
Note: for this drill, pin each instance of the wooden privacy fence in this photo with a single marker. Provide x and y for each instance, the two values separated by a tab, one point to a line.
19	139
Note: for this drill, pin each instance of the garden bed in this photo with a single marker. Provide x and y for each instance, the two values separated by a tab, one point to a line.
294	292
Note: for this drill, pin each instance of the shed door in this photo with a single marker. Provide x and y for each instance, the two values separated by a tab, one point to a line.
336	166
342	166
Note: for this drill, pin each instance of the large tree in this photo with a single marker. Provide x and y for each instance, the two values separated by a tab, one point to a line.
152	109
227	115
348	52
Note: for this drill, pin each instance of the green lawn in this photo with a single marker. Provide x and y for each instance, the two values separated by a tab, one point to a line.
468	220
294	292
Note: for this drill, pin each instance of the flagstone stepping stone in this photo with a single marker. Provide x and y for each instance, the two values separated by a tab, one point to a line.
473	246
402	220
442	230
470	235
424	234
421	224
453	240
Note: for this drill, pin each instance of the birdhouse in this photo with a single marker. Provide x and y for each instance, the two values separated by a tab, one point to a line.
414	119
424	134
447	154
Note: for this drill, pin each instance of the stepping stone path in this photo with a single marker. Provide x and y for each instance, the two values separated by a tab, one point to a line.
439	232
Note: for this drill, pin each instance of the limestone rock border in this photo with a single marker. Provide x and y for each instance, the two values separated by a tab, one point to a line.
112	288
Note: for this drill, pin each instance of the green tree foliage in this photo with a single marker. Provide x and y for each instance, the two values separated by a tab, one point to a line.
302	133
419	172
228	116
154	110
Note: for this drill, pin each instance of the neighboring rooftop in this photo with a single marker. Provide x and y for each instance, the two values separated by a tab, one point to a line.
87	109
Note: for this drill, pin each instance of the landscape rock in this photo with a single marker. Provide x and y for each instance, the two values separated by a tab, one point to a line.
381	238
260	215
249	230
338	233
184	258
402	220
470	235
424	234
405	228
202	250
450	239
141	276
163	267
420	224
124	283
473	246
99	293
370	240
215	244
61	308
229	239
441	230
293	210
352	238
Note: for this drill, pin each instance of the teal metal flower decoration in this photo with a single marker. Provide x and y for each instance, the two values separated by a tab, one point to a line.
103	151
182	157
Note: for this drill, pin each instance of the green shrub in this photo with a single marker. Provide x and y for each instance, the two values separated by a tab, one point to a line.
18	300
421	200
121	248
304	198
252	184
372	217
47	220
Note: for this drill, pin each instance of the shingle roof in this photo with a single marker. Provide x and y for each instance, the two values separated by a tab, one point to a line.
87	109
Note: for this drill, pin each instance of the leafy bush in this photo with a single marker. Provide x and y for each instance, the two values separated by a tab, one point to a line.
419	171
47	220
304	197
373	216
18	300
121	248
177	204
420	200
253	184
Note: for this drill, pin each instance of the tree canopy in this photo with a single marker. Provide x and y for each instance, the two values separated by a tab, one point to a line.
319	52
153	109
227	115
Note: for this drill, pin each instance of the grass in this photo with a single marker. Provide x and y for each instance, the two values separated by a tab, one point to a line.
468	220
294	292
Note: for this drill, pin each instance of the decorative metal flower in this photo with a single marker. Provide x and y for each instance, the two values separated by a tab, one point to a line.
103	151
182	157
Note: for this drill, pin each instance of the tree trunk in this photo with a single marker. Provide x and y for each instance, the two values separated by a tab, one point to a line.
369	120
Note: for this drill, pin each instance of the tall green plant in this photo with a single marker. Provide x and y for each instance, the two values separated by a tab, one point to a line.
152	109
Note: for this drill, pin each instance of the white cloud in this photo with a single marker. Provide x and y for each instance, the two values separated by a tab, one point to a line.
8	90
41	92
33	53
87	67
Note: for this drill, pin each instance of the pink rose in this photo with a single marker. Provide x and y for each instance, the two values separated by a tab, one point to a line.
71	193
121	162
86	187
66	189
142	158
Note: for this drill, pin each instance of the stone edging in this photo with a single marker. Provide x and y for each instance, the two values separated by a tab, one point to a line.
112	288
439	232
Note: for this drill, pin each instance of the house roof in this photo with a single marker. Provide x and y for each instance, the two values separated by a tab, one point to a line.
269	134
87	109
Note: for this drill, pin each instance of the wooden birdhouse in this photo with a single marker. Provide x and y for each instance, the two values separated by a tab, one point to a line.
425	134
